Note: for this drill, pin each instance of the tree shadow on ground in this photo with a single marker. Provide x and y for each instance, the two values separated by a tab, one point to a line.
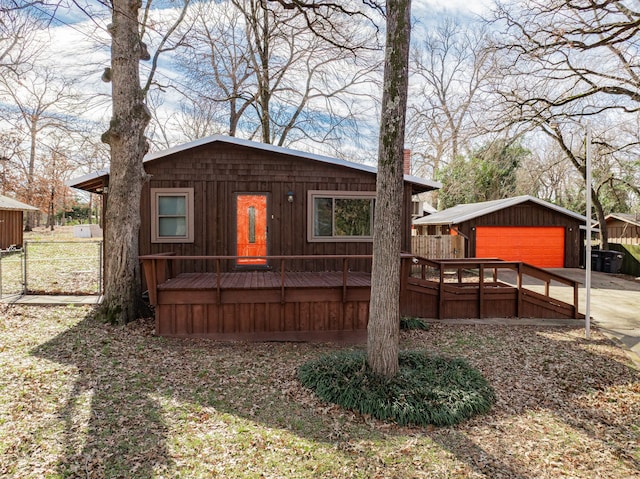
145	391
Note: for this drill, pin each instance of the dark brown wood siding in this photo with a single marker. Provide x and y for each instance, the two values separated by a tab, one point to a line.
622	232
530	214
10	228
218	171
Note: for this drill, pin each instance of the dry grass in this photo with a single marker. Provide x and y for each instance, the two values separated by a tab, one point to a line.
56	263
82	399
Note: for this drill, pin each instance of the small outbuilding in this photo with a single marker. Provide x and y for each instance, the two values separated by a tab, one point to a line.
623	231
12	222
623	228
523	228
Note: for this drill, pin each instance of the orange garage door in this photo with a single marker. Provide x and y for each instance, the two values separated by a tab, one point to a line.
541	246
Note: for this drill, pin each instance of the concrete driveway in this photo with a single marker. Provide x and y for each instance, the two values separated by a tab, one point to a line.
615	304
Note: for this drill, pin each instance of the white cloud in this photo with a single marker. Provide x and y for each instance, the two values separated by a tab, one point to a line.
424	8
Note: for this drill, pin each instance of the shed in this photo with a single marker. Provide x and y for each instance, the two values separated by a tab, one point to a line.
11	222
225	196
522	228
623	228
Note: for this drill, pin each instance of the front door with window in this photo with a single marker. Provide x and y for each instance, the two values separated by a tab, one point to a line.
251	229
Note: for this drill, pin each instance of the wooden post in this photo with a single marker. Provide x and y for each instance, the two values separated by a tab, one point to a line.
282	278
345	269
441	294
576	312
218	293
519	285
150	273
481	291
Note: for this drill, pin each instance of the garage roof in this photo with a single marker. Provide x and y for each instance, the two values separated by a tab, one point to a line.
633	219
461	213
7	203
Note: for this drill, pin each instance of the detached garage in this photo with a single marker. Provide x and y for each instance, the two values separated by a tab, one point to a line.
523	228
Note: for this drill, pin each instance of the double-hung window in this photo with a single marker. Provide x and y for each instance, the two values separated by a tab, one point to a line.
172	215
340	216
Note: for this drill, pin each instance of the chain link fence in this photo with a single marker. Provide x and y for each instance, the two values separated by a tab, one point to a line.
52	267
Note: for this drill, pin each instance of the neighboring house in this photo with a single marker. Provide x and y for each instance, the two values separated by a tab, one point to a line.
623	228
224	196
522	228
12	222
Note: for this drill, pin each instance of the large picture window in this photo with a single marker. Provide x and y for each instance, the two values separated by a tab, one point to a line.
172	215
340	216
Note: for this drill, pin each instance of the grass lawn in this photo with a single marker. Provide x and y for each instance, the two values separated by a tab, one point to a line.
79	398
57	263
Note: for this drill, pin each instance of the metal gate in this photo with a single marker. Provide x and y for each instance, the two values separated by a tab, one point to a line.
51	268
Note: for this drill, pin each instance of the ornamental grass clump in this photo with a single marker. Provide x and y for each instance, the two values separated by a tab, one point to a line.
427	389
413	323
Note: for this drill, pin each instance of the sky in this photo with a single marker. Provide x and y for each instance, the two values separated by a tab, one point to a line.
72	42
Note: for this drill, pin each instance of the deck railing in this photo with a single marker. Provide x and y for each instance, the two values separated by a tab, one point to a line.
480	277
158	268
476	271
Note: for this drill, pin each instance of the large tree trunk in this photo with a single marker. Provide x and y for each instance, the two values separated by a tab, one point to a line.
384	313
126	137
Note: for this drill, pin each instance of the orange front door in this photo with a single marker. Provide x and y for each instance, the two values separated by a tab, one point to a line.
251	231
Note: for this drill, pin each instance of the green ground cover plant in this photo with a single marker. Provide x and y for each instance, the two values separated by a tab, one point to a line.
427	389
413	323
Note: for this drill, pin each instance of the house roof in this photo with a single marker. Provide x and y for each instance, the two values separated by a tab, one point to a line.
461	213
7	203
93	181
631	218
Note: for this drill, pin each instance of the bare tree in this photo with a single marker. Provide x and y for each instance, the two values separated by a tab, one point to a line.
452	69
384	313
128	145
17	38
571	61
278	81
39	100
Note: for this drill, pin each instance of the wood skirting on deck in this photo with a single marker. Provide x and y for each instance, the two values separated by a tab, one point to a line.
334	306
255	306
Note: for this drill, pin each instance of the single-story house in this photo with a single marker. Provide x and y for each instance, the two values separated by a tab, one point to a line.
12	222
244	240
522	228
623	228
225	196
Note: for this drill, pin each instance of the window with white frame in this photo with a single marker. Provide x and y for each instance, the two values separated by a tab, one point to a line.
340	216
172	215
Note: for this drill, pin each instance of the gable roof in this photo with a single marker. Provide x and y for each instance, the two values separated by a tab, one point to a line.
631	218
7	203
94	180
461	213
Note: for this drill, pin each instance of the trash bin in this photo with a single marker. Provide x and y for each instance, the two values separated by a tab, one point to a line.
611	261
596	260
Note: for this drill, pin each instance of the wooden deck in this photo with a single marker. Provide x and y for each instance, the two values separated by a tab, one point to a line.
259	305
334	306
265	280
441	288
